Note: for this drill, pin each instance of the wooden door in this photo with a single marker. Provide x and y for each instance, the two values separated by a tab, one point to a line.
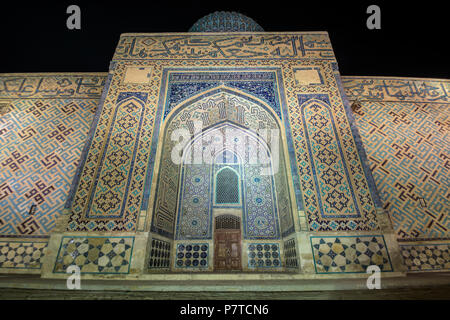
227	248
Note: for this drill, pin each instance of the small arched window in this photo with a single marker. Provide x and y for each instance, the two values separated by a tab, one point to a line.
227	187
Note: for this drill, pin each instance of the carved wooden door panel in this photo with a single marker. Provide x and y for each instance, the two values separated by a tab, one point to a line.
227	250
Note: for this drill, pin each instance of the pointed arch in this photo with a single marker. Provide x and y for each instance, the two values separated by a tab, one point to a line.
321	133
191	109
187	149
225	89
224	156
227	186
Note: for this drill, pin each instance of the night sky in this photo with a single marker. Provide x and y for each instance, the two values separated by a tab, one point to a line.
412	40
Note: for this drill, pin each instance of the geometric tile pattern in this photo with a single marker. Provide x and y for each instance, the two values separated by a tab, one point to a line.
264	255
21	254
160	254
332	179
428	257
261	211
351	254
117	158
403	122
255	194
335	181
196	193
192	255
404	125
105	255
162	52
194	219
184	85
290	254
106	208
41	137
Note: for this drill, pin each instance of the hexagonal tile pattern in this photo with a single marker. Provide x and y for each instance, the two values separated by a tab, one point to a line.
21	255
351	254
427	257
95	254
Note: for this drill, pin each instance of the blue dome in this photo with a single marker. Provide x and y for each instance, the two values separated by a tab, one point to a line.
224	21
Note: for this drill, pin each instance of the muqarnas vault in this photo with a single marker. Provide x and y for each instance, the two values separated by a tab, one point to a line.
114	203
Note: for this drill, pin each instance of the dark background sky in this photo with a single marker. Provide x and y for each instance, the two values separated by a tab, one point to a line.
412	41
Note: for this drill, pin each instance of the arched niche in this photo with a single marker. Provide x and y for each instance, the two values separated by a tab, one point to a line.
217	109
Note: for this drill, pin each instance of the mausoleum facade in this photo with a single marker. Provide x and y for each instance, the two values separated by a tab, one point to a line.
223	153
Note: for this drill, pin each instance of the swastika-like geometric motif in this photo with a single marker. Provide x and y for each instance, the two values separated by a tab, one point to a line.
126	180
41	138
192	255
264	255
95	254
404	125
426	257
350	254
21	254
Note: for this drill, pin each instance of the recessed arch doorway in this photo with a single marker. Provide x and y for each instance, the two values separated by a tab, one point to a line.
227	243
191	195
